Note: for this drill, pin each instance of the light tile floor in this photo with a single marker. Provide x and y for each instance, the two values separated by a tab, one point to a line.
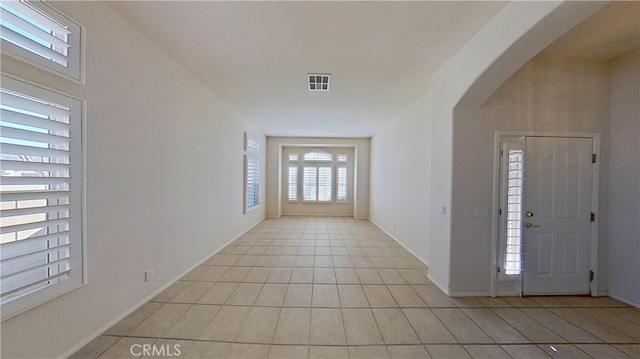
333	287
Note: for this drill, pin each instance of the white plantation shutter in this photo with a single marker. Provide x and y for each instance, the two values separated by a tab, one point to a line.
341	190
252	172
318	155
318	175
512	191
310	183
41	195
253	182
325	182
292	183
35	32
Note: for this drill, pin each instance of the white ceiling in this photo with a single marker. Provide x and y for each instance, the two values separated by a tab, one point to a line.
256	55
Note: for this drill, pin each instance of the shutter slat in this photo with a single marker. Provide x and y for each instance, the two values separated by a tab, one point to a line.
33	166
21	247
40	252
35	225
33	195
33	30
25	180
33	121
34	283
34	46
5	213
41	107
34	151
25	135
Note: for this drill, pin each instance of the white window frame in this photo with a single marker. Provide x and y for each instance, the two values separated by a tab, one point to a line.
252	172
65	54
73	216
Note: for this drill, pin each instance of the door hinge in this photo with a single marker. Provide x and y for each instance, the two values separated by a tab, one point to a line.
591	275
498	269
594	158
593	217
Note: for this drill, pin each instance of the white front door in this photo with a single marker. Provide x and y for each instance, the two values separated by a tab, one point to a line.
557	215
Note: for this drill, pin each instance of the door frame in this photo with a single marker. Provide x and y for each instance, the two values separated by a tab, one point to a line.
504	136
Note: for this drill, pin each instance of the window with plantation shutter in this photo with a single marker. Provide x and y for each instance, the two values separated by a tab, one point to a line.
342	182
253	147
292	184
34	32
325	184
41	237
511	202
253	182
317	183
319	175
310	184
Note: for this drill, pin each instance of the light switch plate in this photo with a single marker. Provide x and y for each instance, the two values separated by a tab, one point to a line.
481	212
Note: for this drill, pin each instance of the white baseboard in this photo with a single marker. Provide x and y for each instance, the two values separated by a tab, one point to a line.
469	294
400	243
507	294
625	300
314	215
442	288
144	300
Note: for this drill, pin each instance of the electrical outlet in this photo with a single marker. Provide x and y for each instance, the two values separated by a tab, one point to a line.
149	274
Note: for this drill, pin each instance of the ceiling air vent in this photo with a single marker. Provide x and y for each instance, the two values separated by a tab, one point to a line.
319	82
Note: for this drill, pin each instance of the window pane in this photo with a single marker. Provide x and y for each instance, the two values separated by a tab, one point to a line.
253	182
341	194
310	183
317	156
37	34
40	186
513	250
292	190
253	144
324	184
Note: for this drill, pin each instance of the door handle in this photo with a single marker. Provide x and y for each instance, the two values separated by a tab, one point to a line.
530	225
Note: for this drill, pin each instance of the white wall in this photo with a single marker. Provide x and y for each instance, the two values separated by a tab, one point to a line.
466	80
164	181
274	170
542	96
400	181
624	180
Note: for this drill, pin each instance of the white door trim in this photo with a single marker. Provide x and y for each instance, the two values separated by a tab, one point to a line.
502	136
